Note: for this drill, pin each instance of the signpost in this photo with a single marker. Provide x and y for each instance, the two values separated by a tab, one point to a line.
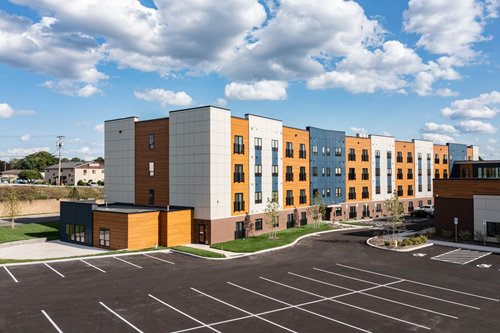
455	222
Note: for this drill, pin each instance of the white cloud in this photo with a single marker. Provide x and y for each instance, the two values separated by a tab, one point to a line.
99	128
262	90
491	140
475	126
446	92
25	138
221	102
438	138
6	111
438	128
486	106
165	97
359	130
72	88
88	90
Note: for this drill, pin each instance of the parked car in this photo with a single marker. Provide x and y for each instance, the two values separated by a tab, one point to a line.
424	211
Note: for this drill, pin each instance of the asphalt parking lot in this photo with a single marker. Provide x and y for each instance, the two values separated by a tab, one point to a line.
331	283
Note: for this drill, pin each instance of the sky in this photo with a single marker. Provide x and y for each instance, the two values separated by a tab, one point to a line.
415	69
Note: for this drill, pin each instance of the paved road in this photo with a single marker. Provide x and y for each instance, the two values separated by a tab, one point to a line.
331	283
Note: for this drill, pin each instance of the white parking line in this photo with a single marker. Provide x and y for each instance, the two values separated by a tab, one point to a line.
244	311
54	270
422	284
373	296
11	275
89	264
399	289
347	304
127	262
443	254
299	308
121	318
52	322
168	262
477	258
183	313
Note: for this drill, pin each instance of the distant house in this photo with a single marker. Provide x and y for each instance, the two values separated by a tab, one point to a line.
10	175
73	172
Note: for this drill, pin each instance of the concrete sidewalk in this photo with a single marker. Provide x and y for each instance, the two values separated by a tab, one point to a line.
47	250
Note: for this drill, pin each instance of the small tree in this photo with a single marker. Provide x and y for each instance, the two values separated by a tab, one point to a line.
30	174
248	225
12	206
296	218
272	216
317	210
74	194
395	211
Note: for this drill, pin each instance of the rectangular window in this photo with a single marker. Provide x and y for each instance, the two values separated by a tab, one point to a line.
302	197
445	159
365	194
303	218
323	192
400	191
389	155
328	172
323	150
328	192
151	141
389	172
377	172
84	172
378	208
445	173
274	145
239	147
364	155
338	171
338	191
419	187
289	221
410	190
289	198
258	224
338	151
428	157
436	174
151	169
289	150
409	158
315	150
399	157
275	195
151	197
104	237
239	204
352	174
410	174
389	189
377	189
239	175
419	156
364	174
323	173
492	229
302	151
352	193
410	207
302	174
352	155
289	174
93	172
338	211
274	170
315	171
400	174
258	197
436	159
327	151
377	153
258	143
258	170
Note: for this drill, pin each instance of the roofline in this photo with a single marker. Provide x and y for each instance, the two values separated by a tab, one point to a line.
265	117
200	107
130	117
154	119
308	128
296	128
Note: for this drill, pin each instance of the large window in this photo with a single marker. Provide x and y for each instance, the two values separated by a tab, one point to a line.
151	169
302	151
258	224
151	141
302	174
239	204
274	145
493	229
239	175
289	174
352	155
75	232
258	170
364	155
104	237
275	170
239	147
289	150
289	221
302	197
258	197
289	198
258	143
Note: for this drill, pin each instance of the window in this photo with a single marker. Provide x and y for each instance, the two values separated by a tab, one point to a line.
436	174
303	218
419	188
419	156
315	150
289	198
400	174
377	153
104	237
429	187
338	211
389	172
258	143
428	157
389	189
378	208
258	224
399	157
377	172
258	197
410	190
302	197
377	189
389	155
239	204
353	212
323	173
410	207
302	151
315	171
151	169
445	174
420	203
445	159
409	157
323	150
289	149
275	195
338	191
400	190
239	175
289	221
338	151
365	194
328	192
410	174
302	174
327	151
239	147
258	170
352	174
492	229
436	159
75	232
364	174
274	145
275	170
84	172
93	172
364	155
289	174
151	141
352	155
151	197
338	171
328	172
352	193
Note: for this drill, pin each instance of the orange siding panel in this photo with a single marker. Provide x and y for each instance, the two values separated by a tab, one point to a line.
240	127
143	230
358	144
296	137
405	148
118	226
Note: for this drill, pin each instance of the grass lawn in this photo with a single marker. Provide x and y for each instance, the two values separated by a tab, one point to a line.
29	231
199	252
262	242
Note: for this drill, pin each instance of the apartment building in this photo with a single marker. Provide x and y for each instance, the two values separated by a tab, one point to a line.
227	168
73	173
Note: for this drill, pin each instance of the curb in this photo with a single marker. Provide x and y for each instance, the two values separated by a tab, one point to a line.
419	247
24	242
196	256
89	257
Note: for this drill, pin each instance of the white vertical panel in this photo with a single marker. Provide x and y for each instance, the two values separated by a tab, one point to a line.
424	148
383	144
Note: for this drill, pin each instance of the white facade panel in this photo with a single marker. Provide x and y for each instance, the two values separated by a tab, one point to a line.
486	209
425	151
200	161
119	154
384	145
475	153
268	130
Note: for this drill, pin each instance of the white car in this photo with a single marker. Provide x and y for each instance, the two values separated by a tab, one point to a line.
425	211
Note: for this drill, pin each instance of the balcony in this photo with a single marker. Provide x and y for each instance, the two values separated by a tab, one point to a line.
352	176
365	195
409	176
399	176
410	192
400	193
238	148
351	157
239	206
436	161
302	199
289	153
409	160
302	177
302	154
399	159
289	177
289	201
239	177
352	195
365	176
365	158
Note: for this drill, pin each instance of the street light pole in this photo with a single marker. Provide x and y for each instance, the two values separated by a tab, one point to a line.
59	145
485	233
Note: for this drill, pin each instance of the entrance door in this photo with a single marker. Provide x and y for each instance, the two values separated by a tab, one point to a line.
202	233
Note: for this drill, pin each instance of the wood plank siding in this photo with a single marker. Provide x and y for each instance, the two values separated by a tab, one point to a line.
144	182
296	137
465	188
143	230
178	229
118	226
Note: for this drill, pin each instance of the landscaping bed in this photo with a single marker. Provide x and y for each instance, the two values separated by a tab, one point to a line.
262	242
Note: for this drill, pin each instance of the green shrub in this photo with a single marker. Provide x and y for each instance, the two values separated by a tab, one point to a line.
417	240
446	233
80	183
464	235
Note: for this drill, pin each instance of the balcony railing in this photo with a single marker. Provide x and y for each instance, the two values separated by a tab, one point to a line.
365	158
239	206
409	160
352	195
445	161
400	193
365	195
239	148
436	161
239	177
365	176
351	157
289	201
352	176
302	199
289	153
399	159
302	177
409	176
302	154
410	192
400	176
289	177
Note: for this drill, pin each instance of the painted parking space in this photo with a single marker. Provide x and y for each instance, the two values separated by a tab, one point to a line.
460	256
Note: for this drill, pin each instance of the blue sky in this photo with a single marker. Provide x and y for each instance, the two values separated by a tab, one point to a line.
412	69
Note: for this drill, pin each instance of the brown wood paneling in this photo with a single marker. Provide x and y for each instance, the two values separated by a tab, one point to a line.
179	227
143	230
358	144
296	137
446	209
239	127
405	147
118	226
159	155
465	188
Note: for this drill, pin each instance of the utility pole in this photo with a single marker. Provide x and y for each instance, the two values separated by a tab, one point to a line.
59	145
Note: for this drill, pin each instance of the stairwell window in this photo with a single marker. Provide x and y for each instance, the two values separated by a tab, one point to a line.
152	141
151	169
